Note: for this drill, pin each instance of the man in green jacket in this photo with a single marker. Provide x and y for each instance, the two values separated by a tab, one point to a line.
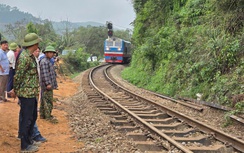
26	87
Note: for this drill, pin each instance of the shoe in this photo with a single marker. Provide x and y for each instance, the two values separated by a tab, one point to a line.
18	137
29	149
37	144
39	138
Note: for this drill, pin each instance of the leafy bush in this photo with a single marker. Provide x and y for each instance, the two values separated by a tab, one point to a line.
78	60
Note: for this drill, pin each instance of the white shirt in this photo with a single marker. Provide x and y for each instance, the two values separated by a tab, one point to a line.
41	56
38	69
11	59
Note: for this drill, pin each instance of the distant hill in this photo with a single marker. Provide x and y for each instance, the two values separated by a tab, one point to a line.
60	26
10	15
13	14
76	24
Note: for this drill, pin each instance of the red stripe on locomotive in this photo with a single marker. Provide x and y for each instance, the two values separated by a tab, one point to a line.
113	54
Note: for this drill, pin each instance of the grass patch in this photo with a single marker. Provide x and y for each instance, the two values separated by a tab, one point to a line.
72	76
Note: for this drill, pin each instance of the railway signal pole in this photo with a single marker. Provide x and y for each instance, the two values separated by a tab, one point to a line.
110	29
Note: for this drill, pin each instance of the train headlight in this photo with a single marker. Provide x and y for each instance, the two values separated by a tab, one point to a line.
119	48
107	48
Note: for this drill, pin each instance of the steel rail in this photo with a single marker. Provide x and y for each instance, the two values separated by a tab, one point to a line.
215	106
196	107
155	130
219	135
209	104
177	101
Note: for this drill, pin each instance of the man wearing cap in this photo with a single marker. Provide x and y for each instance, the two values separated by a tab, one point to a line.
48	83
26	87
11	58
4	70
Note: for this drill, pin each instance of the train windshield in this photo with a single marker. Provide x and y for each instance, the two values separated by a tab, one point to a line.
111	43
118	43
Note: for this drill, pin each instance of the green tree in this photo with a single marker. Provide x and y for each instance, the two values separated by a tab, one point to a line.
16	31
31	28
46	31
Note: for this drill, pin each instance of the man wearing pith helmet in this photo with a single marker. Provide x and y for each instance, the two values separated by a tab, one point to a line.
48	83
11	58
26	86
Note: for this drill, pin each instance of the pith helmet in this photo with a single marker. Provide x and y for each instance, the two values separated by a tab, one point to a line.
50	49
31	39
13	46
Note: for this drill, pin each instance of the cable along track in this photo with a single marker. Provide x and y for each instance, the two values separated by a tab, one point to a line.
151	125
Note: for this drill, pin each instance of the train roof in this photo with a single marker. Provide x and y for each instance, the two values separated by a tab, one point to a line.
116	38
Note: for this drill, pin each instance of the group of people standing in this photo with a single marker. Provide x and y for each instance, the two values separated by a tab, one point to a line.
30	79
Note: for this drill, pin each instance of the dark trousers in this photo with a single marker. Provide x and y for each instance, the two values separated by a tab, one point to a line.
28	113
35	132
11	79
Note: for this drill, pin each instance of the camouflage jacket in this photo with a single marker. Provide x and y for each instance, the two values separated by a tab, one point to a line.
26	77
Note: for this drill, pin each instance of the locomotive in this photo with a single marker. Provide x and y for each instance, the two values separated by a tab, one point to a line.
117	50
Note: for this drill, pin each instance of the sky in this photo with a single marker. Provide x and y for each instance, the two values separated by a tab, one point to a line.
119	12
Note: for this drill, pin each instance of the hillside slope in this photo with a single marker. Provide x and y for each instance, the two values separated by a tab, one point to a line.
185	47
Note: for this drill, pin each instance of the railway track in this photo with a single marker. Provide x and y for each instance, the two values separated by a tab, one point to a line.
237	118
152	126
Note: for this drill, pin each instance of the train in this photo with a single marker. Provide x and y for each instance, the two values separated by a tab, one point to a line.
117	50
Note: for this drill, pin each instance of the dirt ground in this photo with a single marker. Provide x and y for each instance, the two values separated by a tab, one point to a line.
59	136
